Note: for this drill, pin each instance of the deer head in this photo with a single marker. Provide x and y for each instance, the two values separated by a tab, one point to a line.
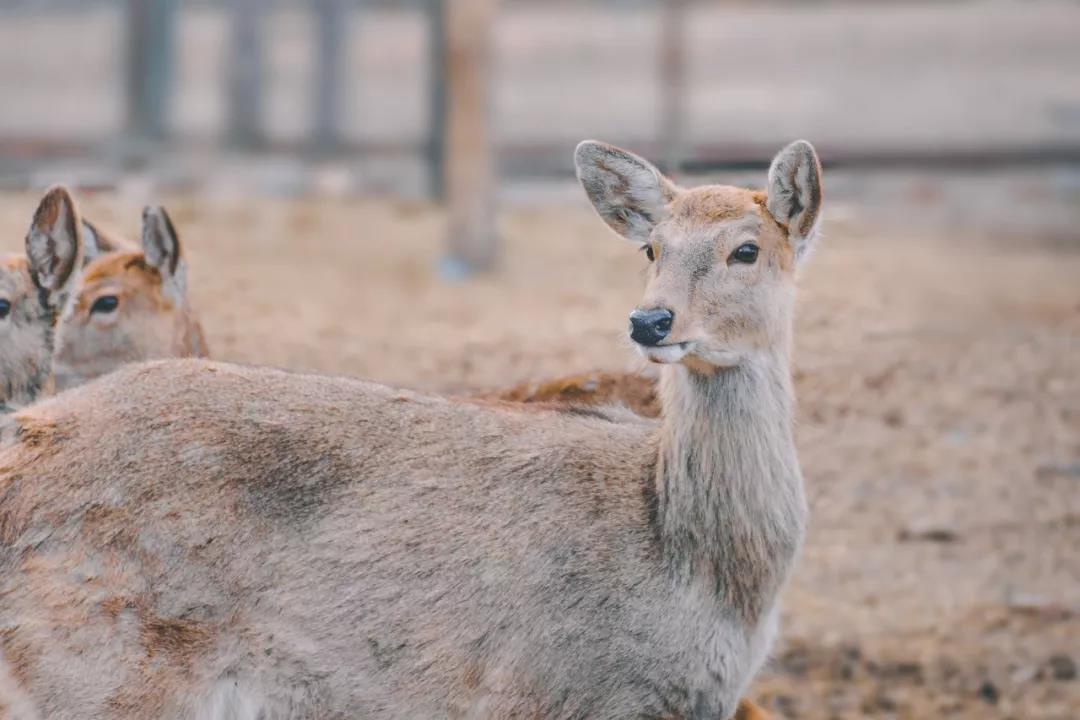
722	259
129	305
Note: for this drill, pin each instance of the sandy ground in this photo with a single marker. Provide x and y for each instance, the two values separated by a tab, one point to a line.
939	421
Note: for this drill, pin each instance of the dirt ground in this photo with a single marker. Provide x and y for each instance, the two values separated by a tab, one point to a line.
939	421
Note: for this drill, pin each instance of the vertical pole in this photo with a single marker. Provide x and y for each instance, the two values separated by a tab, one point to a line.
246	73
149	66
330	19
435	149
472	245
672	93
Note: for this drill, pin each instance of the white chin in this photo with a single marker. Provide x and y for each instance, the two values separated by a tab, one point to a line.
665	353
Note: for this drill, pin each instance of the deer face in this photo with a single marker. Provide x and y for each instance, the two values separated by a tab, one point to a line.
127	306
722	259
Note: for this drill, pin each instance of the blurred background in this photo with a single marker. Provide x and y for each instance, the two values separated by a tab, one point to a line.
385	189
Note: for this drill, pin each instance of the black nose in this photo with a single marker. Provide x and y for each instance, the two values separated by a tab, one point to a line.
649	327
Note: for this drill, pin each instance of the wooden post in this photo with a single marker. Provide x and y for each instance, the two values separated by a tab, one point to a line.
330	19
672	93
435	148
149	66
246	74
472	245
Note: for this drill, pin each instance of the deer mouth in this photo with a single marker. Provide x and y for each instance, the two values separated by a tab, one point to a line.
666	353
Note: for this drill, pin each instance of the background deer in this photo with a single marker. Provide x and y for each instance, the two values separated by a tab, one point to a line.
125	305
250	543
634	391
33	289
130	305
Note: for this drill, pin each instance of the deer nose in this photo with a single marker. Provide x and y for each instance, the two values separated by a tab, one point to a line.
649	327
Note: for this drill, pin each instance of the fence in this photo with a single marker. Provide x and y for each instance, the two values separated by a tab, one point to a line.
697	85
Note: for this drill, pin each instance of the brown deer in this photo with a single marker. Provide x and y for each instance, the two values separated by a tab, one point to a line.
636	392
130	305
33	289
189	539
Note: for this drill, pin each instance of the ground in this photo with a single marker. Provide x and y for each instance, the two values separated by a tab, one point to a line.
939	424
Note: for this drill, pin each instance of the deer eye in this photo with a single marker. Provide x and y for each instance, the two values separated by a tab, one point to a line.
5	308
746	253
105	304
649	252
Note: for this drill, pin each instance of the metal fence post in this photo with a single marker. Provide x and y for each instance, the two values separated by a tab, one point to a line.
149	70
246	73
435	148
330	22
672	93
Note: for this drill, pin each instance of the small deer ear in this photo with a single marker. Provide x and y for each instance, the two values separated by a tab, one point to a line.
629	193
97	243
161	247
54	244
794	194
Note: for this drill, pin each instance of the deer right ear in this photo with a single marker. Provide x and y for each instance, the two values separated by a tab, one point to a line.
628	192
161	247
54	243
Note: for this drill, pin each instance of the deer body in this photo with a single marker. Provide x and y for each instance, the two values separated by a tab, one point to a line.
251	543
346	564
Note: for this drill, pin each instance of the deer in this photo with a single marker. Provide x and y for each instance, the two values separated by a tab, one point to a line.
196	539
131	304
109	301
634	391
34	287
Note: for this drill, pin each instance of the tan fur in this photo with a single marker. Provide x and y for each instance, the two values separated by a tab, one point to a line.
712	204
748	710
636	392
631	390
251	543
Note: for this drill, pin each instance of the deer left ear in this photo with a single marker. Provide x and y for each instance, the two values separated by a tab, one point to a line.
629	193
794	194
54	245
161	247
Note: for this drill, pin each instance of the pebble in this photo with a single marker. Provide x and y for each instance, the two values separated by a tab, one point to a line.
1062	667
989	692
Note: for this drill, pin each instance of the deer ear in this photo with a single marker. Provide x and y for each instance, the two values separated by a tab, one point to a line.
96	243
161	247
794	194
628	192
54	244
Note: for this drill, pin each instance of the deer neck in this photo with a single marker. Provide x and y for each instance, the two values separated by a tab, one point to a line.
730	504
